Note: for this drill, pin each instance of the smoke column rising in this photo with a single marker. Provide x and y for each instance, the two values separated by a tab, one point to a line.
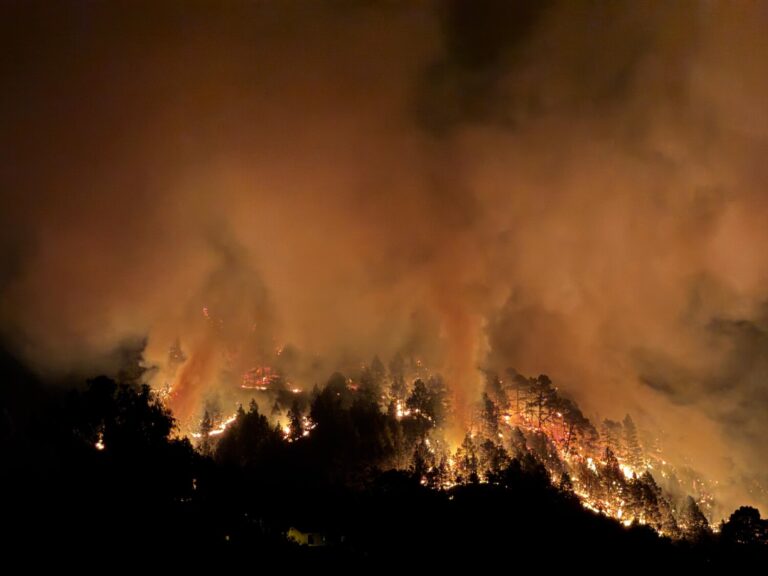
568	188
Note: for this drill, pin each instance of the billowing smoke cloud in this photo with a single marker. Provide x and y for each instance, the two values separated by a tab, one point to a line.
569	188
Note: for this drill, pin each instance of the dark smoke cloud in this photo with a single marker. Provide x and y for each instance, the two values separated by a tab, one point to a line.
569	188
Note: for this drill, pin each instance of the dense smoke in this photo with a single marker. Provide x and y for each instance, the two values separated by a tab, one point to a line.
568	188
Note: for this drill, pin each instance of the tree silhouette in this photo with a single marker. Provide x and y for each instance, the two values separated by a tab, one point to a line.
634	453
745	527
576	425
466	461
248	440
205	446
489	416
295	425
495	390
120	465
492	459
542	400
519	385
612	433
397	389
691	521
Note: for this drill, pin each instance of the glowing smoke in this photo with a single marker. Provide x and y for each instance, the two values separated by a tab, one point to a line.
564	188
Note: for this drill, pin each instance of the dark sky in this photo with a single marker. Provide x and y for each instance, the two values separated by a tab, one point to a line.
575	188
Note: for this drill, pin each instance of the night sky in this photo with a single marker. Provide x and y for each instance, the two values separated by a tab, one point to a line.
569	188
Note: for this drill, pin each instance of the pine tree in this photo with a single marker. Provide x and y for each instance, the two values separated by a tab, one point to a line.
490	418
422	461
438	476
378	371
205	446
692	522
397	388
611	477
369	388
634	453
519	385
492	459
612	433
418	400
575	424
643	500
495	390
542	399
295	426
466	461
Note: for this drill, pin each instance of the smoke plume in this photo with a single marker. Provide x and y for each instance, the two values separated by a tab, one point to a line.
568	188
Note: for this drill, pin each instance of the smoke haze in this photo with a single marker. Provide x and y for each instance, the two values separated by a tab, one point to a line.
570	188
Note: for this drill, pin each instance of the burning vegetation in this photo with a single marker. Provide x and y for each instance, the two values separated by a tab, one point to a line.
228	209
400	418
366	466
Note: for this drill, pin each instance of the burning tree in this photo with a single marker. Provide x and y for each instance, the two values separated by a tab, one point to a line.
542	400
466	461
577	429
295	422
633	451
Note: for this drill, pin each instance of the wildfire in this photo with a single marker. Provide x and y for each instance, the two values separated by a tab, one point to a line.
628	472
259	378
306	427
605	469
218	430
